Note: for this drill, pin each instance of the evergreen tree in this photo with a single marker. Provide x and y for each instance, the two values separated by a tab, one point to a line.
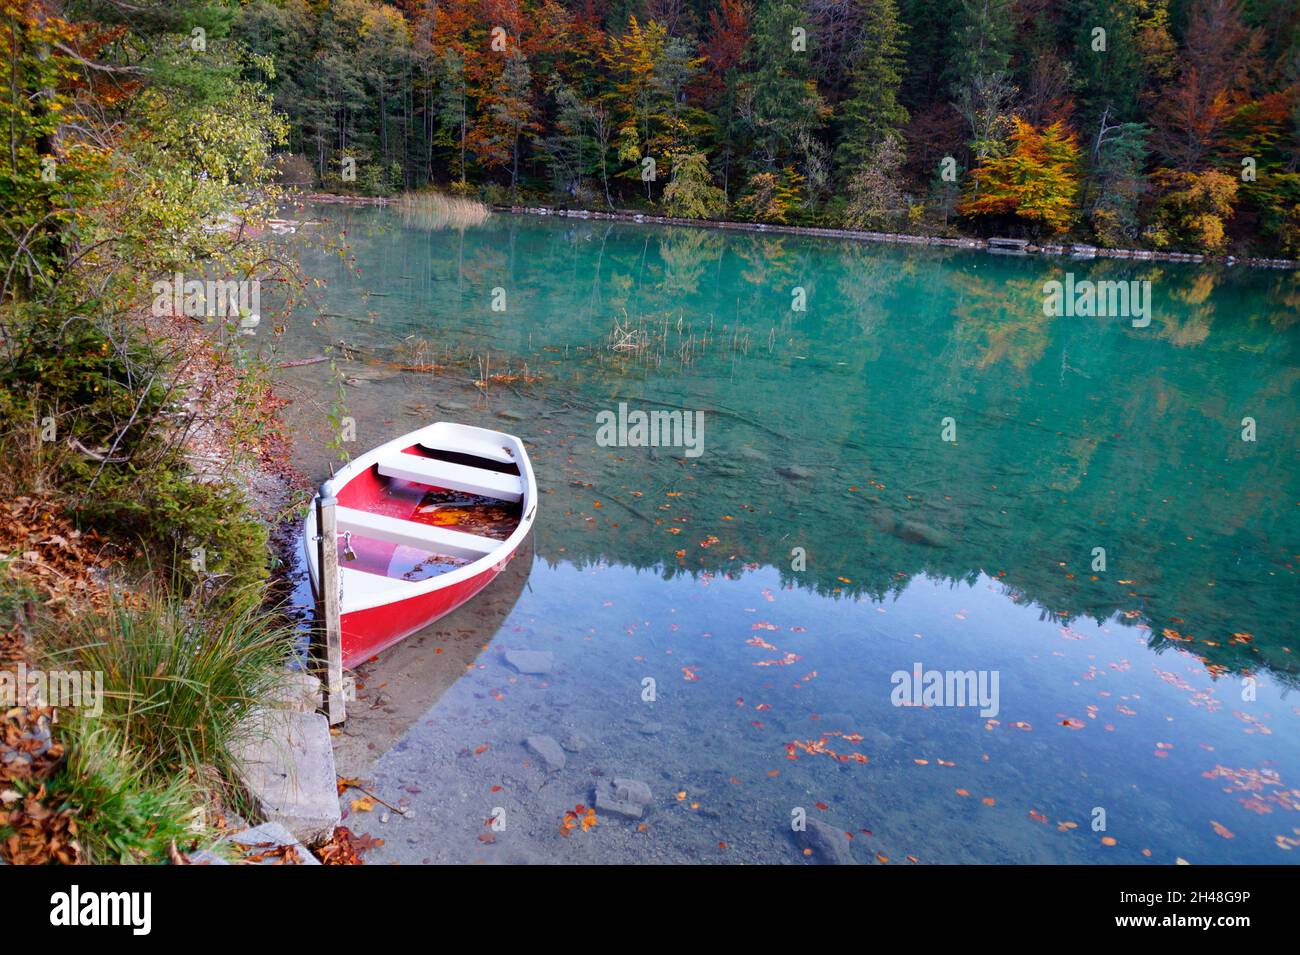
981	41
782	99
872	111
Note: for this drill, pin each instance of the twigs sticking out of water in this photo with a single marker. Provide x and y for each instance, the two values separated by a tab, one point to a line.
487	378
627	337
654	342
414	353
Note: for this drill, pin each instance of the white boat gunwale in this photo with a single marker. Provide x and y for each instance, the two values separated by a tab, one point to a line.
480	442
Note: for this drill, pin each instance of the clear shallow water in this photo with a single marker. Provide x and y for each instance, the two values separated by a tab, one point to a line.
1119	689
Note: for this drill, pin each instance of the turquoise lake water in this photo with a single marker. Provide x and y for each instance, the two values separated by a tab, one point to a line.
827	536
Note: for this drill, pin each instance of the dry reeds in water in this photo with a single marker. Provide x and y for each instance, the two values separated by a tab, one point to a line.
434	211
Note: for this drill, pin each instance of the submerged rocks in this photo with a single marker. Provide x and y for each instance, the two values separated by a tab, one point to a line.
830	846
622	797
916	533
548	751
574	743
913	532
795	472
725	468
530	662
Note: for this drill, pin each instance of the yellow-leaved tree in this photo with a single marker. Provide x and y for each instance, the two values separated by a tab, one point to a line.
1036	179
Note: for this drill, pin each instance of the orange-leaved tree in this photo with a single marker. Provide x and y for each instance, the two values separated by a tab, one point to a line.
1036	179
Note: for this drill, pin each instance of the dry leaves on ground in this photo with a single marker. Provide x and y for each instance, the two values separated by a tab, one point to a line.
347	848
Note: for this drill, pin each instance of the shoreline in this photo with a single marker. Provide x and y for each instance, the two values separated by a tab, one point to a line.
994	246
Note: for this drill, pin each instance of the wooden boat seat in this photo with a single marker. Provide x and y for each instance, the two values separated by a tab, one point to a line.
437	540
358	585
453	477
479	449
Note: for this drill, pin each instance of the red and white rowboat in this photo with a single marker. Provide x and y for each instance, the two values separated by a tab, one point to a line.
425	522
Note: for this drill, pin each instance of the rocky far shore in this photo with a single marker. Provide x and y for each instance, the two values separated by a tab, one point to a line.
997	246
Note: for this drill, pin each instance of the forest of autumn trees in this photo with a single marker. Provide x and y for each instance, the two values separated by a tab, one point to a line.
1158	123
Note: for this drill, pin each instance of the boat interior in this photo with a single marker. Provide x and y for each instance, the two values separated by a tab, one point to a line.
421	512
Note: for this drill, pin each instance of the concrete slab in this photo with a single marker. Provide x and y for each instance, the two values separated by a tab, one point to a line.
265	839
298	690
206	857
286	762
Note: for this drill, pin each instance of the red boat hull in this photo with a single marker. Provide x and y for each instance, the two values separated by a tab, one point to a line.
371	631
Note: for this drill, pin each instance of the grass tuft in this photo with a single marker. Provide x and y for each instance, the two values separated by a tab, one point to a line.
434	211
180	675
124	814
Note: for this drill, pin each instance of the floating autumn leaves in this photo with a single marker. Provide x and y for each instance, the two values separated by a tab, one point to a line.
1021	725
756	641
820	747
783	661
1287	843
1258	790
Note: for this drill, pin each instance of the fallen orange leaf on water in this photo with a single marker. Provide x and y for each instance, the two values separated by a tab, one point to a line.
1222	830
1108	840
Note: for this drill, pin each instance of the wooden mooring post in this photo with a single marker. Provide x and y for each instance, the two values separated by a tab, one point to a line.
329	631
